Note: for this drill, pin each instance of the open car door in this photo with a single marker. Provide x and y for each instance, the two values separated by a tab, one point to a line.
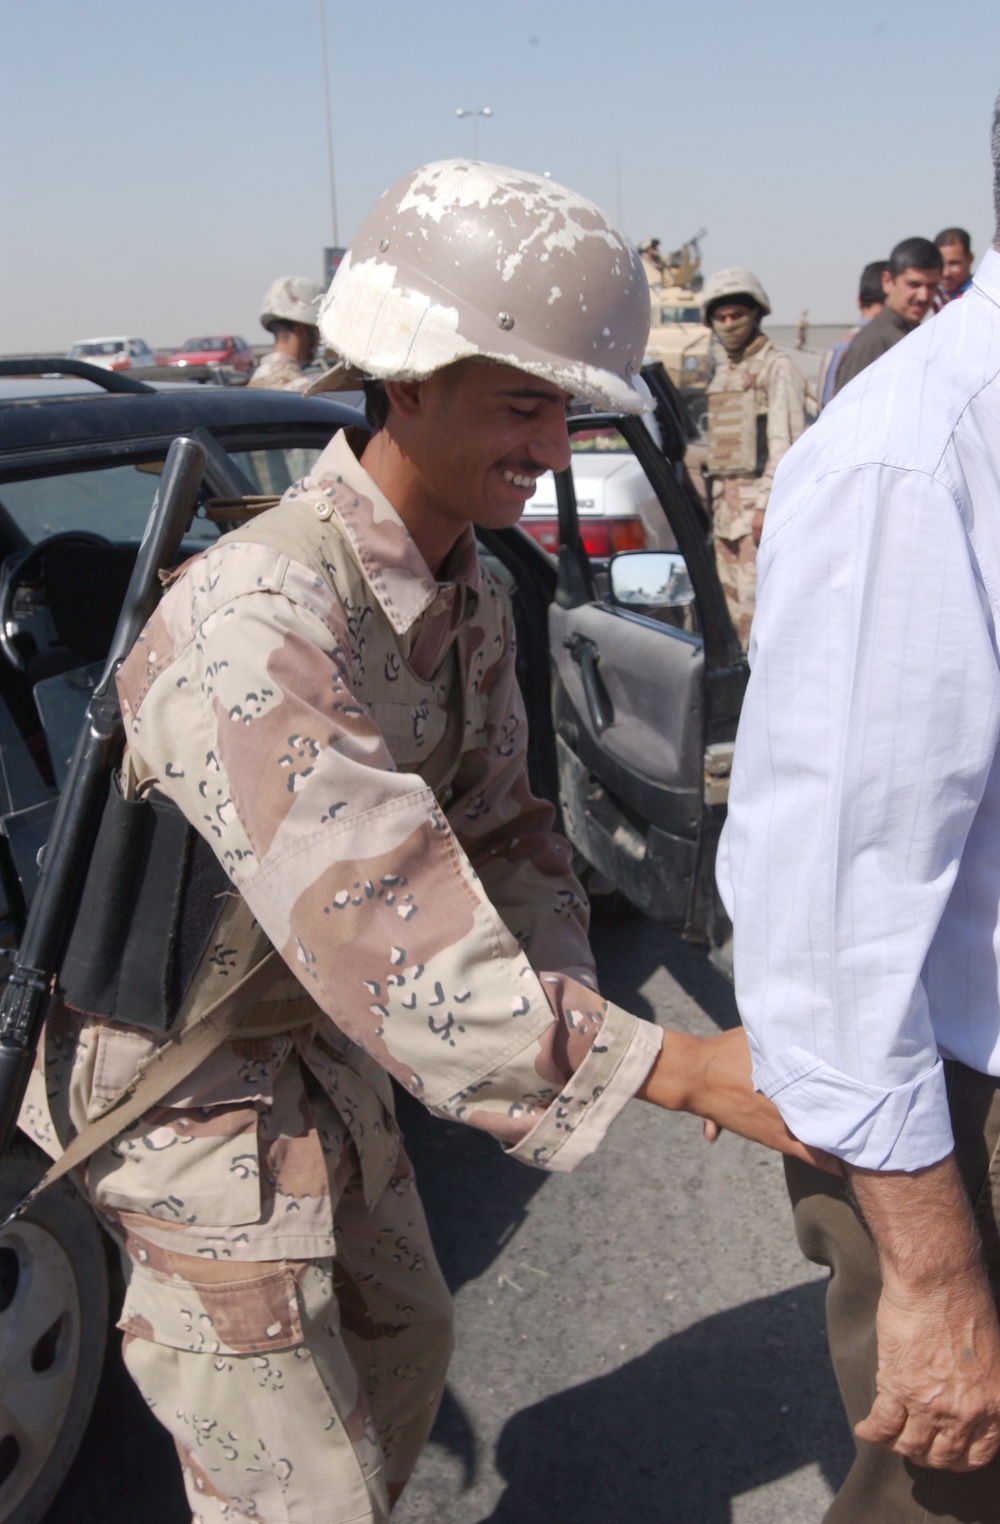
647	682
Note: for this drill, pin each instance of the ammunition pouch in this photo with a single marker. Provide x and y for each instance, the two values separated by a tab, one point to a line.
151	900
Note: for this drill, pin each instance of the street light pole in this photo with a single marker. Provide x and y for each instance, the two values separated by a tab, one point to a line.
483	111
329	122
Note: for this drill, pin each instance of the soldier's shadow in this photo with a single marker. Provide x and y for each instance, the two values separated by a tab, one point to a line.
728	1405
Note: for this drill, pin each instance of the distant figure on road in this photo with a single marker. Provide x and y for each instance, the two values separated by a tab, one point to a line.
290	312
756	410
802	329
956	252
871	300
910	285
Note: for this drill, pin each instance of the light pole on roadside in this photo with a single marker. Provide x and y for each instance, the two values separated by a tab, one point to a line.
475	115
329	123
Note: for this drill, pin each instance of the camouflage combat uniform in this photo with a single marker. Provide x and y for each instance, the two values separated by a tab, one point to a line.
278	372
286	694
756	411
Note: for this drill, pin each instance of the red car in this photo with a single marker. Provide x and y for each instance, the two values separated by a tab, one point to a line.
218	349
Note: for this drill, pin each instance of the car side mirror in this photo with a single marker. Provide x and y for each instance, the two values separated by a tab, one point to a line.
649	579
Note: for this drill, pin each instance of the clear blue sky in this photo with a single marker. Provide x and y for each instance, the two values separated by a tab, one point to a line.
162	160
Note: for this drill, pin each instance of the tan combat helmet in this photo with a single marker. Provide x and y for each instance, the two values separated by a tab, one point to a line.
291	299
730	285
461	259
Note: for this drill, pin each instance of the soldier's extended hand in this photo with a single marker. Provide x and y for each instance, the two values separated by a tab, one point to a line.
711	1077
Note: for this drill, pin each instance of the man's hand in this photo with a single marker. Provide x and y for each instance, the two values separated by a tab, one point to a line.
710	1076
757	527
938	1379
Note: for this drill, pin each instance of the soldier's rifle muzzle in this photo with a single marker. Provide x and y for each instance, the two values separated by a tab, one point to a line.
67	853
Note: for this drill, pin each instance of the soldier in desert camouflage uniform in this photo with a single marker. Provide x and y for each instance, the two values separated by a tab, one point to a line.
289	312
328	694
756	411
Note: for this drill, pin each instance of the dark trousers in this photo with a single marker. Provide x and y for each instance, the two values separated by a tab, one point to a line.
882	1488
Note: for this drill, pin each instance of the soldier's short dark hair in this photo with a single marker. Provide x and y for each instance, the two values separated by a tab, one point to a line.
914	254
954	235
376	405
870	285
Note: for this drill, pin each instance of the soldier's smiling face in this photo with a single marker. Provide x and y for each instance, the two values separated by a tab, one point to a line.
478	436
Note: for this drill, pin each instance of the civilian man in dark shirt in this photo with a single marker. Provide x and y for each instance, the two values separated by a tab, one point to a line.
956	252
910	285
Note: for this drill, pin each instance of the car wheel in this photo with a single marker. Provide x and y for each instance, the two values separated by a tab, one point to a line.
53	1330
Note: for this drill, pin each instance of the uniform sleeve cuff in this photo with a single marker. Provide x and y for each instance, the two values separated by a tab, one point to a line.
576	1122
904	1128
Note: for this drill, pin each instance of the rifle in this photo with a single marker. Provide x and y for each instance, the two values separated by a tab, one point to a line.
67	853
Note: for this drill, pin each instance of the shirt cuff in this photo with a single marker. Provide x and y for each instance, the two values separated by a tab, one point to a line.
905	1128
576	1122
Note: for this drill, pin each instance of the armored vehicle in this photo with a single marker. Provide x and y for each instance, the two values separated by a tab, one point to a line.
678	337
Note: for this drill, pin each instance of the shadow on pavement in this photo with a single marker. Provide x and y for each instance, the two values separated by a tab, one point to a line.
728	1405
629	950
474	1196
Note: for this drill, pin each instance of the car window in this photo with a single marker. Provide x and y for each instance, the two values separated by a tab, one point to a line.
106	347
587	441
273	471
113	501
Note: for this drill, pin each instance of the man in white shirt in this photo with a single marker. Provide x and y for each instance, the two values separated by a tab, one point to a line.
861	866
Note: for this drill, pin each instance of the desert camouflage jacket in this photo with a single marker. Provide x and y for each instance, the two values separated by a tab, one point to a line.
756	410
278	372
287	692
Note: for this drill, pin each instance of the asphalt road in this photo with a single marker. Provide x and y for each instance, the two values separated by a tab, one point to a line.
638	1342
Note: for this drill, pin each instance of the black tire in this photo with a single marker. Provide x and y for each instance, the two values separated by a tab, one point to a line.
53	1332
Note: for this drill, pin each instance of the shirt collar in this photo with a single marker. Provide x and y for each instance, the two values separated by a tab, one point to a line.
987	276
385	550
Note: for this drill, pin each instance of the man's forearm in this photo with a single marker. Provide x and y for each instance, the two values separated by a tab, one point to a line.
938	1379
921	1224
711	1078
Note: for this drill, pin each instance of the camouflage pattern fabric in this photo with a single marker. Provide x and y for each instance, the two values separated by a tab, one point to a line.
297	1390
736	563
278	372
778	391
286	694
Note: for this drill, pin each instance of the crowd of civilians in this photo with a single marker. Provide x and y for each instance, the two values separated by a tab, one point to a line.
894	297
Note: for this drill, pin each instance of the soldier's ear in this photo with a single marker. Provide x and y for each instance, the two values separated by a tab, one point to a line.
404	397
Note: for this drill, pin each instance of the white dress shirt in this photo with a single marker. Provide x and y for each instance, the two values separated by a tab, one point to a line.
861	858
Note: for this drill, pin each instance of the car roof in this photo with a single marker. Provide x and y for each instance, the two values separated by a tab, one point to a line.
108	338
40	424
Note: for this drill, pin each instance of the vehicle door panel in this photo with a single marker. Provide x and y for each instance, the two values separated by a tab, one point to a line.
630	789
638	706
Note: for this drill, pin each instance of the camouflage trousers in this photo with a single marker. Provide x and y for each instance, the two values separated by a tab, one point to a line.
296	1390
736	563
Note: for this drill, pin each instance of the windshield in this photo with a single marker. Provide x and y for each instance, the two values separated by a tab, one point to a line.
115	500
97	347
680	315
194	345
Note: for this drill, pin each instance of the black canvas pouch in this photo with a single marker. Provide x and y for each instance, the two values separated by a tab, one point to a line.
153	895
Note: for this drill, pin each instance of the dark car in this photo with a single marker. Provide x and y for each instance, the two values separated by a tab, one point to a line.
632	679
215	349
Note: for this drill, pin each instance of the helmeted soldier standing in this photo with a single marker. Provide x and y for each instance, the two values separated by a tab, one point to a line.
328	694
756	411
289	312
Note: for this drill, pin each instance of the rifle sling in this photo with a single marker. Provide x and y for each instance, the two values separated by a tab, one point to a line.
177	1059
